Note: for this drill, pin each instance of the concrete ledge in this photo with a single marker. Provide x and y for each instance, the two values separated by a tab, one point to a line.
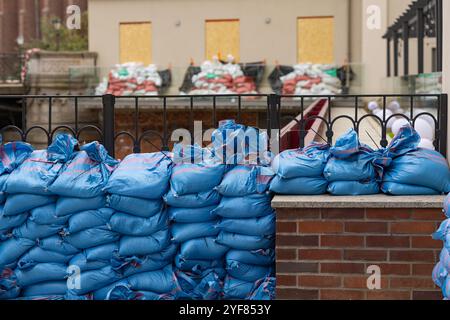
374	201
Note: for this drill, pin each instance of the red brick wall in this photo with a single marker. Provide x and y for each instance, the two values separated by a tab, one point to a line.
324	253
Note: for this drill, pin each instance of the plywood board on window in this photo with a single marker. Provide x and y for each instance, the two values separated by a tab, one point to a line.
315	40
222	37
136	42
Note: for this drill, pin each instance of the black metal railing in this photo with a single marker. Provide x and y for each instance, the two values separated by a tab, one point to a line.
10	67
277	109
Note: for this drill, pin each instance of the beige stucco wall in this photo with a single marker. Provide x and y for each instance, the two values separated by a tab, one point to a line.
176	45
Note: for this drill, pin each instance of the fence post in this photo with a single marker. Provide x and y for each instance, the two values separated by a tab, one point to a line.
274	123
108	122
443	120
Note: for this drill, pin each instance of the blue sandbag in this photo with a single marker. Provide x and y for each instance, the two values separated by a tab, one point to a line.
423	168
92	237
447	206
38	255
444	258
245	180
235	289
42	272
22	202
252	206
42	167
12	249
33	231
161	281
196	266
95	279
43	298
182	232
10	222
139	207
46	289
252	227
202	249
191	215
88	220
190	178
257	257
199	287
398	189
138	246
353	188
309	162
47	215
86	174
439	274
197	200
122	292
130	225
243	242
143	175
57	244
66	206
247	272
299	186
95	257
227	141
9	288
442	231
265	289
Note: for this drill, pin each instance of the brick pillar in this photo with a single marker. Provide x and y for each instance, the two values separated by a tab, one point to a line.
324	253
27	19
8	25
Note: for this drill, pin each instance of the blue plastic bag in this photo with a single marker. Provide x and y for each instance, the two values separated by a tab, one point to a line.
143	175
245	180
197	200
38	255
42	167
34	231
182	232
66	206
127	224
86	174
398	189
47	215
139	207
202	249
52	288
247	272
309	162
93	280
88	219
257	257
252	227
252	206
139	246
92	237
22	202
12	249
42	272
195	178
192	215
243	242
228	142
95	257
353	188
299	186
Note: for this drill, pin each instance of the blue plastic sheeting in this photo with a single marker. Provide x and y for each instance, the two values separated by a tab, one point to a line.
252	206
182	232
198	200
245	180
66	206
308	162
191	215
252	227
299	186
243	242
127	224
142	176
88	219
86	174
202	249
22	202
139	207
136	246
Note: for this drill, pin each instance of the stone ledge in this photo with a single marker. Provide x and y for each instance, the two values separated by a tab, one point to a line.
378	201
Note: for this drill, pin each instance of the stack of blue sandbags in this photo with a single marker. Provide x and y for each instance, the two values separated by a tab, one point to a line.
354	168
412	170
441	270
192	199
32	250
144	253
300	171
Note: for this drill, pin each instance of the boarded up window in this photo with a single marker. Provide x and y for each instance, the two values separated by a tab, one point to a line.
136	42
315	40
222	38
